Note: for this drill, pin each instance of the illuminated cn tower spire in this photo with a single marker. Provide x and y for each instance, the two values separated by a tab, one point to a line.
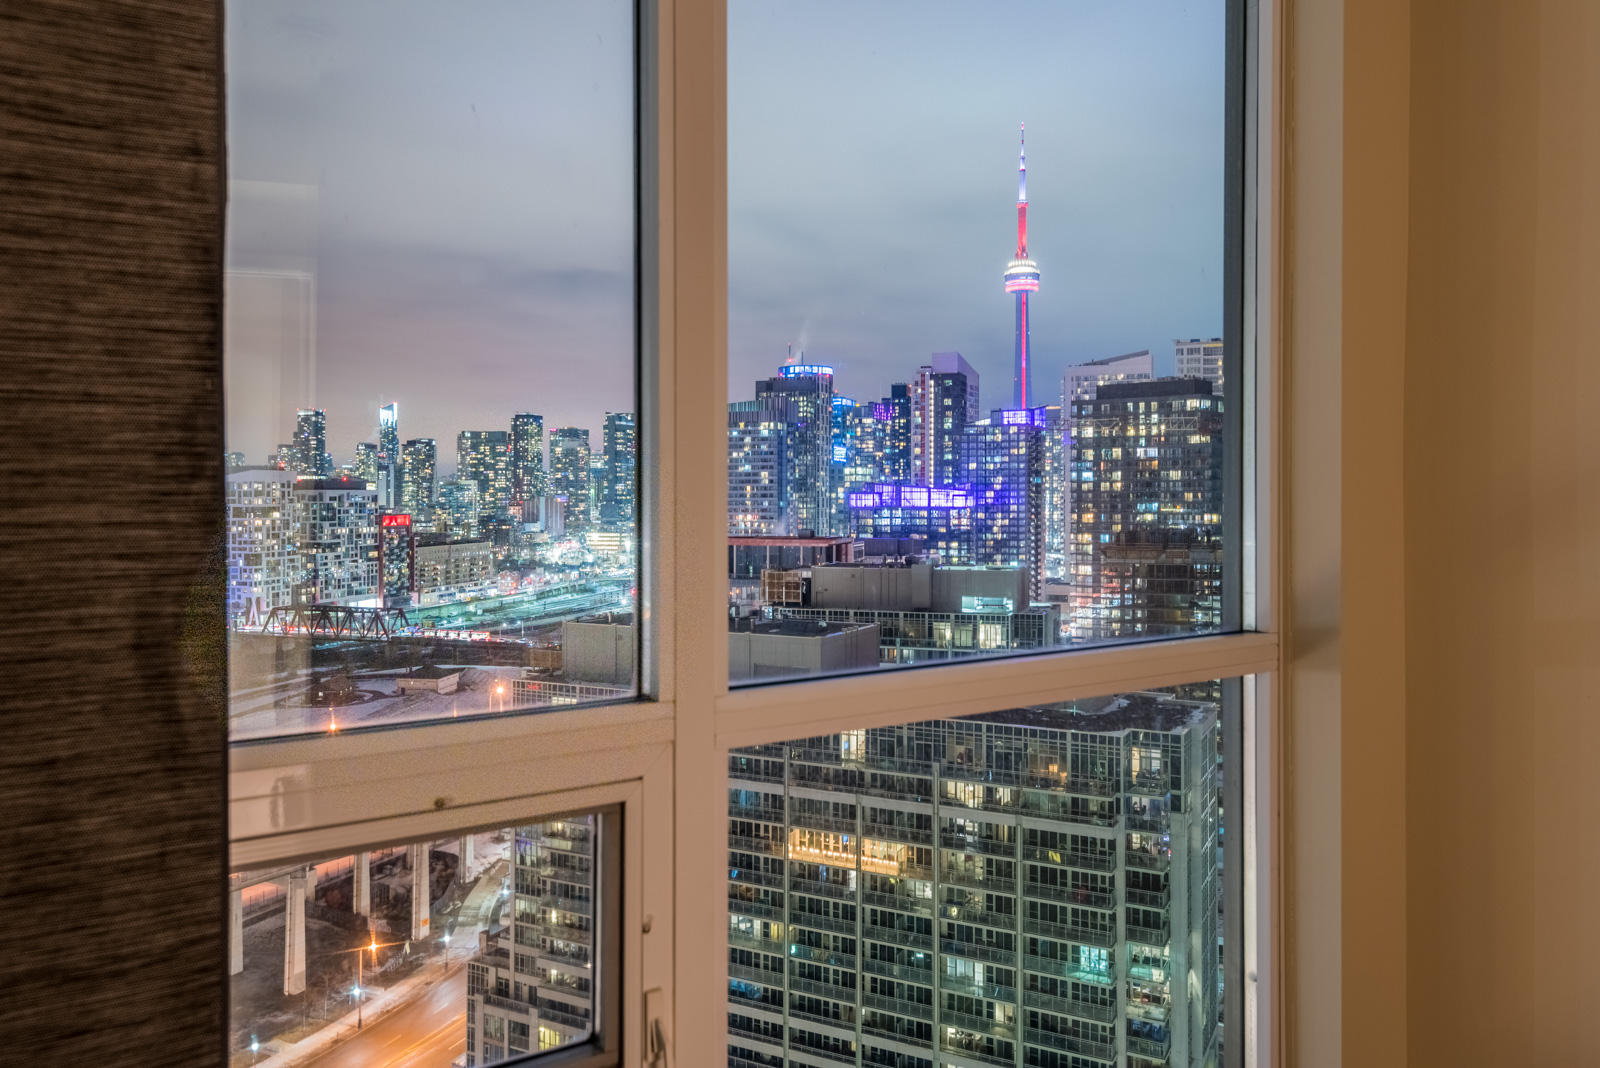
1022	278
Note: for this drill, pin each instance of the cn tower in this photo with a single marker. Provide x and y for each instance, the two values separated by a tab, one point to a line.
1022	278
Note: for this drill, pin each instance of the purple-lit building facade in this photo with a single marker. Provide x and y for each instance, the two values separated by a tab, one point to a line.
941	517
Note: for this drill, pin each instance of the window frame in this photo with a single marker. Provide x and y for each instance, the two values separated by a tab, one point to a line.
662	759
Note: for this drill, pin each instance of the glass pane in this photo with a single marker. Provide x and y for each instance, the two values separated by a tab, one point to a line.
1042	886
430	356
441	954
958	422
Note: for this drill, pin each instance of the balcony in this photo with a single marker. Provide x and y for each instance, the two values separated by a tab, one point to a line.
1149	1048
978	1024
971	1045
875	1031
1067	970
752	775
1149	899
1083	1010
899	971
825	1054
891	833
1065	858
563	933
817	888
1064	782
579	906
822	823
760	945
1150	936
1071	896
769	846
968	914
757	813
1148	824
1088	936
1099	1051
1148	861
822	956
551	1012
823	923
904	1008
754	908
826	1021
978	881
1149	785
755	975
1105	820
896	937
506	1004
972	988
755	878
920	906
821	990
973	844
974	951
757	1036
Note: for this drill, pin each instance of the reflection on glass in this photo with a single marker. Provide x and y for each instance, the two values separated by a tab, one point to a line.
1041	886
429	359
1058	480
440	954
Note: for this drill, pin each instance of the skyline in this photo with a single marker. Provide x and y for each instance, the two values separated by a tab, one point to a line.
440	282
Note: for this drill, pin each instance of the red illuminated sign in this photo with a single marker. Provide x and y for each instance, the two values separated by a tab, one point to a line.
396	521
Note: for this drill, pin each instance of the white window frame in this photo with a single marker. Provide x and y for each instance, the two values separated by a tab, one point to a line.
663	759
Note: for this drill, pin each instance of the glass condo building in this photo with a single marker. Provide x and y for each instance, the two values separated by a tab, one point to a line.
1037	887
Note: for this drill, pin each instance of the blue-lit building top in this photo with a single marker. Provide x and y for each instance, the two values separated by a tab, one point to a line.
940	517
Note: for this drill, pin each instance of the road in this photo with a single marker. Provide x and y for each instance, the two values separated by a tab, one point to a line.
428	1033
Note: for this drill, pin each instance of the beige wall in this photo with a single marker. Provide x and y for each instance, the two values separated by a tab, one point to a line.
1502	469
1443	428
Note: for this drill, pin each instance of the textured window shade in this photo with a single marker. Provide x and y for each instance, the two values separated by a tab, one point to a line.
112	762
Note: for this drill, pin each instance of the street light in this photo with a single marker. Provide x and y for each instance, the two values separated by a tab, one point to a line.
447	951
254	1050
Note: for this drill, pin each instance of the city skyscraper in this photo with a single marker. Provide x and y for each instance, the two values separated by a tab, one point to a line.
338	541
1080	380
366	464
1200	358
309	451
419	476
1003	460
264	563
618	441
810	447
1147	510
484	457
1031	887
945	398
457	513
569	473
897	439
533	986
1022	278
389	474
758	466
528	480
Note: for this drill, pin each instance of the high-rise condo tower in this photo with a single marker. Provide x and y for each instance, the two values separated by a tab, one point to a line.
1022	278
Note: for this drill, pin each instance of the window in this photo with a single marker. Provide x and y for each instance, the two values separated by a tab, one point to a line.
865	906
431	497
1033	924
496	936
903	490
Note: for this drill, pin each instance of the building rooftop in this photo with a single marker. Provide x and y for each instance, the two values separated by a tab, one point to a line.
791	628
1156	387
785	539
1132	711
